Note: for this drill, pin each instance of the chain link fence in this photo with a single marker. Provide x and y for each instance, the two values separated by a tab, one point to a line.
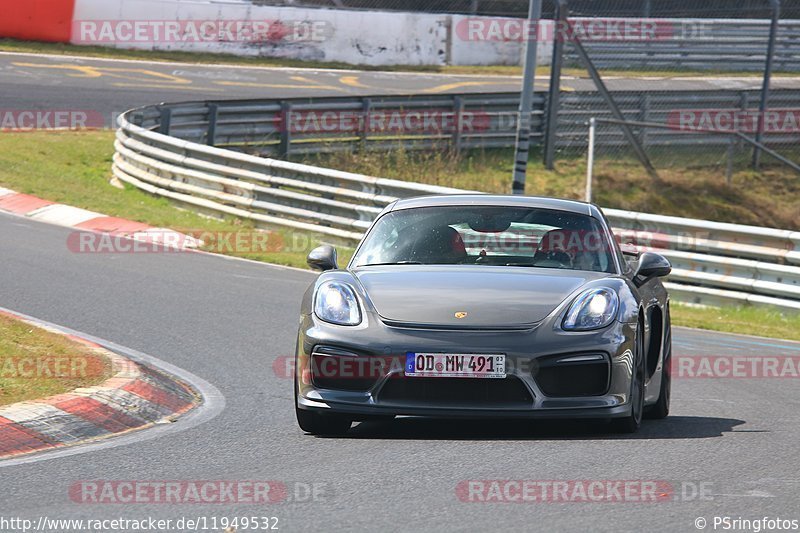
694	69
663	72
585	8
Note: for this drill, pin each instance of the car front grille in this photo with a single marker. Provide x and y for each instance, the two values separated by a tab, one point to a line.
455	391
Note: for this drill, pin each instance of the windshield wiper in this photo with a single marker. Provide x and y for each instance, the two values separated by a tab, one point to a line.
392	263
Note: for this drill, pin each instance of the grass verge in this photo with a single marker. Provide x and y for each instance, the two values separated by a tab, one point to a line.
35	363
692	180
12	45
74	168
759	321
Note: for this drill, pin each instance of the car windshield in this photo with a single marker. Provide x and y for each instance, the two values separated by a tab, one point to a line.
487	235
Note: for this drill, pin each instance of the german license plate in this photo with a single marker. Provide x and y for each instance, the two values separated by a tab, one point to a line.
453	365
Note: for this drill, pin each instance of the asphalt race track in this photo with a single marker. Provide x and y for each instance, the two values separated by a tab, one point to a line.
227	321
41	82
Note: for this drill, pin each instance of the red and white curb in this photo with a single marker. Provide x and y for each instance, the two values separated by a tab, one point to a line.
135	397
66	215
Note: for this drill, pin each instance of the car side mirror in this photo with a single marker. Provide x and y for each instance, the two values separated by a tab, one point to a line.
323	258
651	265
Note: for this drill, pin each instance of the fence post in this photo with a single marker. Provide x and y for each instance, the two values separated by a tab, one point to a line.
286	137
644	116
762	107
590	159
211	133
553	101
458	112
523	143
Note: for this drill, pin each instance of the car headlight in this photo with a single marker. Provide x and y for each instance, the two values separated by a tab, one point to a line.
592	309
336	302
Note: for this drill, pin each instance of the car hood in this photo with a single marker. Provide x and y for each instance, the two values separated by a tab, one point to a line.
491	297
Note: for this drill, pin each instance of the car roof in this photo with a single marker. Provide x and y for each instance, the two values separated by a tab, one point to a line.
559	204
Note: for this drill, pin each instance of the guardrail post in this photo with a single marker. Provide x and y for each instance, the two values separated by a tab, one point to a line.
164	120
458	113
366	110
211	133
286	137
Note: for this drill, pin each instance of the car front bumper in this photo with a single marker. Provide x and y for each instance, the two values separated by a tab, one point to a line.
541	381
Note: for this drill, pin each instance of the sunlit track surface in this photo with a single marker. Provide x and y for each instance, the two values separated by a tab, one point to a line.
29	81
227	322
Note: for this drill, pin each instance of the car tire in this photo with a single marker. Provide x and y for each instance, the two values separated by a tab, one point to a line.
322	423
632	422
660	409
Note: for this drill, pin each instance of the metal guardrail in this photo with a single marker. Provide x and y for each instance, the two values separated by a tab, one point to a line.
714	262
280	128
305	125
267	191
700	44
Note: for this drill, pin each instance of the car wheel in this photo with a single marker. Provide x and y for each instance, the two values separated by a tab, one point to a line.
631	423
322	423
660	409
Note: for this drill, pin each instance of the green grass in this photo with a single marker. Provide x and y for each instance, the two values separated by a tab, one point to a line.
12	45
75	168
760	321
693	181
35	363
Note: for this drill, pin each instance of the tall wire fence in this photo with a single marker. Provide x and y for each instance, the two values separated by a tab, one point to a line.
662	71
661	62
519	8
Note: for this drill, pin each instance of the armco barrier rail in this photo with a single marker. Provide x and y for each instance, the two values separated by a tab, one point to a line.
313	125
714	262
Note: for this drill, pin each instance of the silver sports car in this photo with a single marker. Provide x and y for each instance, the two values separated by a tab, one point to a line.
484	307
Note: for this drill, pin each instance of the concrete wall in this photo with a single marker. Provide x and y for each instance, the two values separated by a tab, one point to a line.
350	36
358	37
